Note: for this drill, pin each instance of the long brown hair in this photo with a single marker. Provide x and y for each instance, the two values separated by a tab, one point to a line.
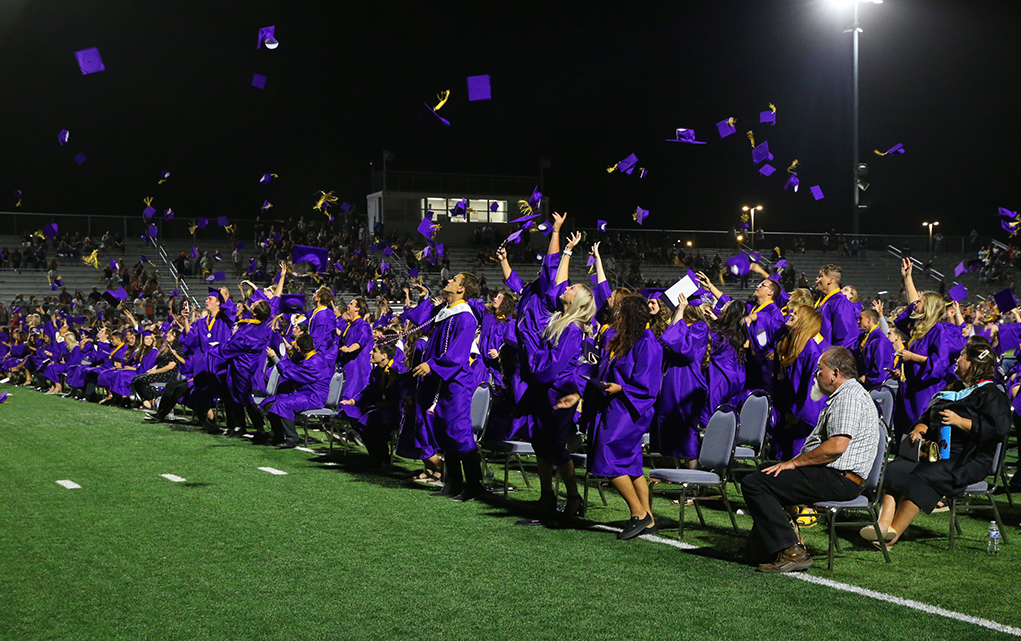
661	320
630	319
804	329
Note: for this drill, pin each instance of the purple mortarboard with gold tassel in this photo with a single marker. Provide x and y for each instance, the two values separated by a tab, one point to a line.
727	127
640	215
149	210
958	292
50	231
428	228
896	149
442	97
761	153
315	256
768	117
625	166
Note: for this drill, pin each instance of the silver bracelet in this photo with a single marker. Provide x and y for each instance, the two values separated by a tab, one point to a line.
568	252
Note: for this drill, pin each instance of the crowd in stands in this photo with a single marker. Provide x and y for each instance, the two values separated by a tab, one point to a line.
570	365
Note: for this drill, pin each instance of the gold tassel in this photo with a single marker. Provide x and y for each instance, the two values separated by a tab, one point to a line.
442	97
879	153
772	107
793	166
192	228
751	138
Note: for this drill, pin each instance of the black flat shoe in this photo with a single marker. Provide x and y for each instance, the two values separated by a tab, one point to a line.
635	527
448	490
235	433
469	493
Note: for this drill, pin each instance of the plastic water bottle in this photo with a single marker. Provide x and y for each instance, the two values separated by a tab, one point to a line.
994	538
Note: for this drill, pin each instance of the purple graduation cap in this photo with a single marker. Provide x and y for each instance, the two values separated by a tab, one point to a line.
267	35
446	123
817	192
201	223
114	265
215	276
493	206
338	266
536	197
383	266
1009	226
195	252
627	165
115	298
591	261
89	61
440	250
413	273
1005	300
292	303
780	264
896	149
525	219
726	127
80	158
761	153
149	211
427	251
528	225
546	228
767	117
1006	213
388	251
316	256
266	205
478	88
514	237
958	292
767	169
428	228
240	245
959	270
3	398
640	215
345	207
739	264
142	259
685	135
50	231
63	136
217	257
267	178
460	208
792	183
164	175
259	81
252	266
601	225
222	221
152	231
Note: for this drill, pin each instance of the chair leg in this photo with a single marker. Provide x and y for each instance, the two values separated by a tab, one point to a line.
506	474
584	500
521	466
698	509
953	521
832	515
730	510
879	534
680	520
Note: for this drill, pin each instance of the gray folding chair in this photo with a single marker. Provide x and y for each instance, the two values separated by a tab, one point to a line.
716	453
982	489
868	501
272	381
751	430
325	413
883	398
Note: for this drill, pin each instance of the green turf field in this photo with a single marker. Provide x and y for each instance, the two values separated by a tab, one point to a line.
337	552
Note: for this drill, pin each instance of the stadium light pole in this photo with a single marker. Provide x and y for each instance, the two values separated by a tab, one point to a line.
856	184
930	226
751	232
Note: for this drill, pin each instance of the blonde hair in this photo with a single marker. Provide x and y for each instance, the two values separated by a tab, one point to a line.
581	310
932	312
800	296
793	343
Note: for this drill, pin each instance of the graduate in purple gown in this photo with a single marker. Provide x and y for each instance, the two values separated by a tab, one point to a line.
623	398
874	356
839	321
445	384
953	334
203	334
416	439
302	387
795	394
71	357
851	294
143	360
355	348
682	400
923	362
497	331
557	366
322	326
725	368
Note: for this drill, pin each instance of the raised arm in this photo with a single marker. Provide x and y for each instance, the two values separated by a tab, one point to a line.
909	282
706	283
283	275
565	259
501	256
554	238
600	274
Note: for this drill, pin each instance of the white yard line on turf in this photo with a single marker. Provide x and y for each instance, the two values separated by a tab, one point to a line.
305	449
71	485
273	470
865	592
173	477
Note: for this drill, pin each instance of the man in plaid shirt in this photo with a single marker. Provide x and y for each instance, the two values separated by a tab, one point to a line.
833	465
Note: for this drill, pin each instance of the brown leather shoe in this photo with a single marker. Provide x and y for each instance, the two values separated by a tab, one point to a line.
794	559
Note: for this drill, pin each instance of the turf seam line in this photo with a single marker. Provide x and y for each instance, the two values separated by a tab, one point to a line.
173	477
854	589
273	470
909	603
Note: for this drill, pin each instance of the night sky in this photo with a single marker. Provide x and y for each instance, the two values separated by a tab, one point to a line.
582	88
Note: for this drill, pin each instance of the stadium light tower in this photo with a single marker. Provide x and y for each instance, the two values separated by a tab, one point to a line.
930	226
857	184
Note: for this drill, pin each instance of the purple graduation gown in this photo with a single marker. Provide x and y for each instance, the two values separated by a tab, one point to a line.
322	325
762	339
494	333
205	334
725	375
921	380
307	384
446	391
556	369
874	356
622	419
416	439
357	364
839	323
120	379
792	394
685	393
242	354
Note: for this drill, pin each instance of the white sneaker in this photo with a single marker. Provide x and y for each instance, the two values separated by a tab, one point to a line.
5	380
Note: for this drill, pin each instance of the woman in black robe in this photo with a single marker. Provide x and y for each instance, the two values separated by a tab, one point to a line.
977	410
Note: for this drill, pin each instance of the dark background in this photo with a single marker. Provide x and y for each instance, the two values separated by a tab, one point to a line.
583	88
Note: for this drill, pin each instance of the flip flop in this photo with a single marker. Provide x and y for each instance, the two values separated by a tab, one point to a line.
869	534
